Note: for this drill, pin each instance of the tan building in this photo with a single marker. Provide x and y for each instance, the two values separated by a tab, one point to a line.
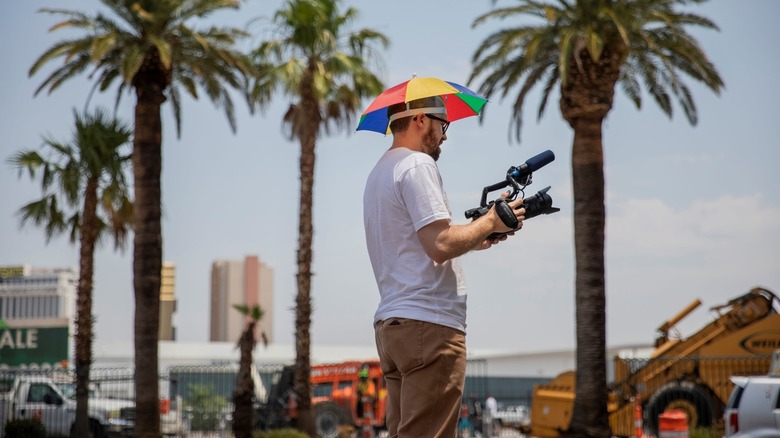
248	282
167	302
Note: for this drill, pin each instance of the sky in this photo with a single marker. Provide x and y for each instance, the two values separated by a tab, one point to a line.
692	211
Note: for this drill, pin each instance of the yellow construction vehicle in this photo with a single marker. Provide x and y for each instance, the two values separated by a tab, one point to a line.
692	375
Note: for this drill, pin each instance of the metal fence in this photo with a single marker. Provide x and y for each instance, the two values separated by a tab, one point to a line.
206	392
48	395
196	400
648	376
699	386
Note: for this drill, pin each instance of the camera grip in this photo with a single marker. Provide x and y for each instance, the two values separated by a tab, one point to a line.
506	214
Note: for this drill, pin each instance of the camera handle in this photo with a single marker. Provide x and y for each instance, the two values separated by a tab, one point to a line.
509	181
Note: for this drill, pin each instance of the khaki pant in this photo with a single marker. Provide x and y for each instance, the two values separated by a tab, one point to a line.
425	368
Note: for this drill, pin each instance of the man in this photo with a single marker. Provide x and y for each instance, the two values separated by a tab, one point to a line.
414	248
366	391
491	414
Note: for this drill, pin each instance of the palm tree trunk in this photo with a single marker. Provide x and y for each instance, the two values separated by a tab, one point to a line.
302	384
588	417
147	255
303	308
303	299
83	354
586	99
242	399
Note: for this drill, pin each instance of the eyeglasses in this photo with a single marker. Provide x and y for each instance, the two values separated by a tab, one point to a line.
444	124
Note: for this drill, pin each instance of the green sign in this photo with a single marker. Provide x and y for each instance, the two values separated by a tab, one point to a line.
33	346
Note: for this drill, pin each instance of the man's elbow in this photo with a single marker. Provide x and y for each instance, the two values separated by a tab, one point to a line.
439	257
435	241
439	254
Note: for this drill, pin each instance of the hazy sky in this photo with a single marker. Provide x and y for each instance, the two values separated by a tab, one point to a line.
692	212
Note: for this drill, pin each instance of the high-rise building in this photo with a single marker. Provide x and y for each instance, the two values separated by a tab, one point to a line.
248	282
167	302
37	315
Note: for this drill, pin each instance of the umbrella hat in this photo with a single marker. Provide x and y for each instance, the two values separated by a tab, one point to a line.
459	101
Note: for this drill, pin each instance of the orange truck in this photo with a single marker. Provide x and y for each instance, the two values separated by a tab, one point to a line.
334	399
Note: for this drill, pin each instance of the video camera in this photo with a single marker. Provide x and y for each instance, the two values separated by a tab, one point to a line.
518	177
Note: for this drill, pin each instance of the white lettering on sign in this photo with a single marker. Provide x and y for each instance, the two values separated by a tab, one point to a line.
19	338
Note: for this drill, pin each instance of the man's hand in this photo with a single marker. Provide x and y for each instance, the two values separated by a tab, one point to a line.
487	243
515	208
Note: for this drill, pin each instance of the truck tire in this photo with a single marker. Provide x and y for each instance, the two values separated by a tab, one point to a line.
328	419
696	402
95	430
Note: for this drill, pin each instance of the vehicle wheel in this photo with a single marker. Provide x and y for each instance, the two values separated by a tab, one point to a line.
95	429
696	402
328	418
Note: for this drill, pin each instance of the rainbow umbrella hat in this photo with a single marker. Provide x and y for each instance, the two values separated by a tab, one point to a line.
459	100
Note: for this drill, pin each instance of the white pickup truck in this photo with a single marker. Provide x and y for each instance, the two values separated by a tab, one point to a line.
39	397
513	416
174	421
753	409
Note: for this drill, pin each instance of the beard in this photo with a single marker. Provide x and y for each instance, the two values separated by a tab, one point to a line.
432	144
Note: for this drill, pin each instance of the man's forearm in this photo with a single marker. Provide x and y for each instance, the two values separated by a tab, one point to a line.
443	241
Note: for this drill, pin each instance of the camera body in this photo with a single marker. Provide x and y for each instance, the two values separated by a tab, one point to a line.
518	178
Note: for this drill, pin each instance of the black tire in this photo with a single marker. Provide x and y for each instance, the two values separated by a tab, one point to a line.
96	429
328	419
696	402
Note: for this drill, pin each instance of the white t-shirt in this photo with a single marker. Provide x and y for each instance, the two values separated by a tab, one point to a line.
491	408
404	193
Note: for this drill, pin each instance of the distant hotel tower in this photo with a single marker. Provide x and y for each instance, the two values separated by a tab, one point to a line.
248	282
167	301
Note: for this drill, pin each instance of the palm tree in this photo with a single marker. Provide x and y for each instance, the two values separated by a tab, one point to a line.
242	398
148	46
85	194
324	69
589	47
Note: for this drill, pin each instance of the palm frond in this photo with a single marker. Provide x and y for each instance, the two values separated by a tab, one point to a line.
93	153
242	308
313	38
650	37
118	45
552	80
630	85
28	160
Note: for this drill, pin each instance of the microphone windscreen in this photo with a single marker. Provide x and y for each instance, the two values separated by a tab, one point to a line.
538	161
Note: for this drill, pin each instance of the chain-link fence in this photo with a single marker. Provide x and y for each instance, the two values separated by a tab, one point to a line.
699	386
